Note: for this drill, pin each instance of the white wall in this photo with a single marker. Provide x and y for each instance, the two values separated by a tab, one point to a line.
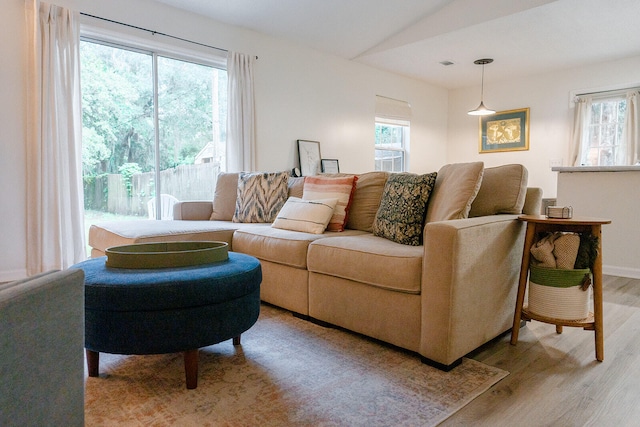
547	96
614	196
300	94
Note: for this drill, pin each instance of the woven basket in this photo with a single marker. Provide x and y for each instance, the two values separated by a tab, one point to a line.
558	293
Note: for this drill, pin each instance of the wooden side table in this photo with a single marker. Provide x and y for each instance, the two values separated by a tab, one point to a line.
540	223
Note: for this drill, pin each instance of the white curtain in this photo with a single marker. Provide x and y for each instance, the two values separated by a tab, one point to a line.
55	230
241	117
580	131
631	130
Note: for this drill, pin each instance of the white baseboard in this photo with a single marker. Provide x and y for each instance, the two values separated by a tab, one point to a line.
611	270
11	275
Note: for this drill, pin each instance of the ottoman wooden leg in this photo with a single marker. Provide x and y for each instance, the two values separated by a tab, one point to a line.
236	340
191	368
93	362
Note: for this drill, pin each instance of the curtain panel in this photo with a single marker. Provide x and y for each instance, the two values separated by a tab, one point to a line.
55	229
631	132
580	131
241	144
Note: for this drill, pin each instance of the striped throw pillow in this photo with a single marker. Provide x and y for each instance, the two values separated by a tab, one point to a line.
260	196
341	188
309	216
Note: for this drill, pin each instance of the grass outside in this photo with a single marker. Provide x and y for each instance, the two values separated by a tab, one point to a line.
91	217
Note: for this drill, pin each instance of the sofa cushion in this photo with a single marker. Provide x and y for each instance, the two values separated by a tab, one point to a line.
503	191
296	186
260	196
224	197
456	187
366	200
339	187
309	216
103	235
277	245
369	259
400	217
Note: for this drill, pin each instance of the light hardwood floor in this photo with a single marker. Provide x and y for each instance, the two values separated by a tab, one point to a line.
555	380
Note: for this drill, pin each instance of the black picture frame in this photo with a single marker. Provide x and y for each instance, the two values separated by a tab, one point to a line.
309	157
330	166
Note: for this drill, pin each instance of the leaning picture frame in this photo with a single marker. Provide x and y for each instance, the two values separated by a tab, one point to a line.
330	166
504	131
309	157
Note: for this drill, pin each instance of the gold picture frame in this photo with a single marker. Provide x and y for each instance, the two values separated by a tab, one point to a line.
505	131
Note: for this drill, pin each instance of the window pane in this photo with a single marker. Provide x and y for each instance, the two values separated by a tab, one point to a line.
118	131
389	160
389	135
192	128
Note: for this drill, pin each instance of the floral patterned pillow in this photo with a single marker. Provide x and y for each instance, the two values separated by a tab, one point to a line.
402	210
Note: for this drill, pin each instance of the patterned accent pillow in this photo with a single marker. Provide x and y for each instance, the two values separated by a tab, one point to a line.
341	188
260	196
309	216
402	210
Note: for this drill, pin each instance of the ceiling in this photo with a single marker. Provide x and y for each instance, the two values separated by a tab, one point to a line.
413	37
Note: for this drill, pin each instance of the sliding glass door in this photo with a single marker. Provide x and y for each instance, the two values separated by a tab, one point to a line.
154	131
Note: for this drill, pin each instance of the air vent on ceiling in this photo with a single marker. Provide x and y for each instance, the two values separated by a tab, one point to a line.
446	63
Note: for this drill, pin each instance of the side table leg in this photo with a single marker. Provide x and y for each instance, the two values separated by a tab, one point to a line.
93	362
597	295
522	284
191	368
236	340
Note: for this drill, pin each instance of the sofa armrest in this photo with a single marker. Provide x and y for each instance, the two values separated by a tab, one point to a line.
193	210
469	283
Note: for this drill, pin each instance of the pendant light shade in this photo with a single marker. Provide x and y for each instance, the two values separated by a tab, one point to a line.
481	110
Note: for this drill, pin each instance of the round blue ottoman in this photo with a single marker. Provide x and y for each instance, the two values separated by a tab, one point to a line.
168	310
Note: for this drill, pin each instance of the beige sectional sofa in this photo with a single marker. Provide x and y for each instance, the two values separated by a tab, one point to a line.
441	299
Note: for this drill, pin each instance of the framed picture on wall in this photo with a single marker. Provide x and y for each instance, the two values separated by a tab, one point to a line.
309	155
505	131
330	166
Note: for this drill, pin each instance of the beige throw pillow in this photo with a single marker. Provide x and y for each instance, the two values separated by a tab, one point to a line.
456	187
309	216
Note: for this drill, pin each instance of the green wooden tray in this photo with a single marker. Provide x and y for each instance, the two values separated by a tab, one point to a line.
166	254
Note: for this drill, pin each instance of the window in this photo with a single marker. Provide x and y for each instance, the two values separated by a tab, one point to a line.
605	132
154	130
390	145
606	129
392	126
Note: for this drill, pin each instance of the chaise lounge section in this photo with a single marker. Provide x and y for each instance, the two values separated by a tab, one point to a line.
441	298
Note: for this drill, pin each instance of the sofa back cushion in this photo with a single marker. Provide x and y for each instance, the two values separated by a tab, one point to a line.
503	191
260	196
224	197
226	194
456	187
366	200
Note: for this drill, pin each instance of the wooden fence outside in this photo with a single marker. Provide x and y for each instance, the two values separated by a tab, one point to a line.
185	182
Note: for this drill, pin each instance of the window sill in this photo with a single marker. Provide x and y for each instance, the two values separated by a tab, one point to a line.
596	168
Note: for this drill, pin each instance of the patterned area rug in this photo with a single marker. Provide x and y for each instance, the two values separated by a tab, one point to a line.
287	371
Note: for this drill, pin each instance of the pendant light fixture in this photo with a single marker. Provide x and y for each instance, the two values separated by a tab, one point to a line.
481	110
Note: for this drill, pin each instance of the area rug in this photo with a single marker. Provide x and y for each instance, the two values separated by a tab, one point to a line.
286	372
